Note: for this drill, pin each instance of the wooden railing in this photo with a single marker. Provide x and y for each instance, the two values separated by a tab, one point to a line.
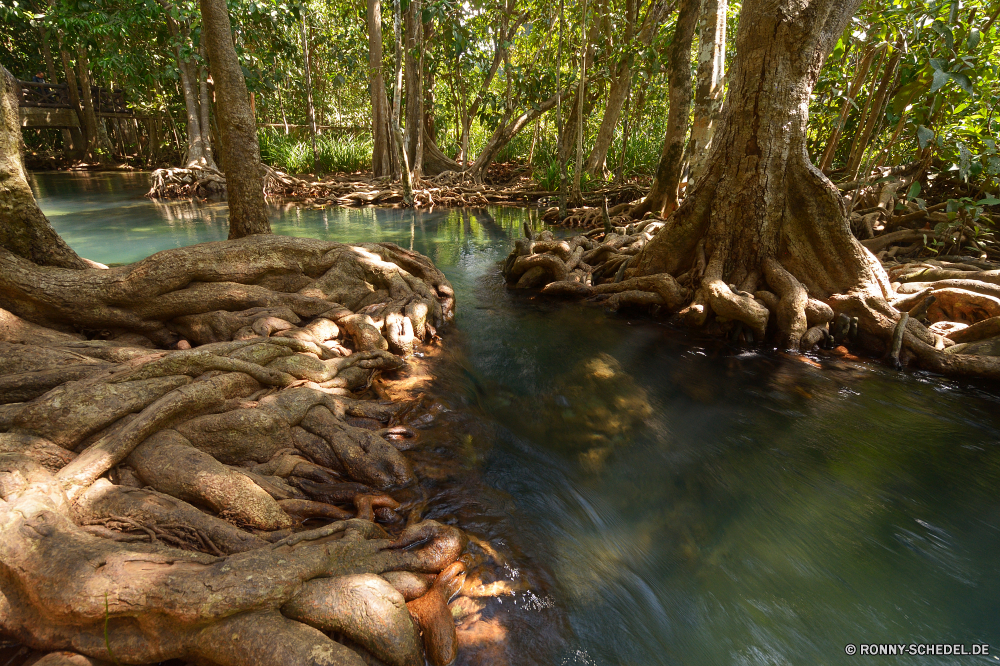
56	96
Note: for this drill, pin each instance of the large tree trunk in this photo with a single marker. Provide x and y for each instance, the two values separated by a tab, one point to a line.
762	212
381	133
238	129
708	93
23	228
662	197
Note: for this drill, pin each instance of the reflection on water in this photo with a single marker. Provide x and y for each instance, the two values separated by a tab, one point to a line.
653	499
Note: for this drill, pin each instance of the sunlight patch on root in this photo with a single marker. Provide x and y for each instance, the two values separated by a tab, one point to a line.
671	294
167	462
791	308
216	426
725	303
365	608
267	637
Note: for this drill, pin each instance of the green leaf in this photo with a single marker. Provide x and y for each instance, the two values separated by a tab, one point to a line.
964	82
974	37
940	78
939	64
989	201
924	136
964	161
914	190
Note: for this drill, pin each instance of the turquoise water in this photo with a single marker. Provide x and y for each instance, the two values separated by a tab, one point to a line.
677	501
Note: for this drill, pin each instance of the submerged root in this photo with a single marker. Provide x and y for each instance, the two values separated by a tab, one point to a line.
152	500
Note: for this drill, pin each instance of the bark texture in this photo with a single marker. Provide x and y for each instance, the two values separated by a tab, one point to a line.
24	230
238	129
151	500
762	212
708	93
761	247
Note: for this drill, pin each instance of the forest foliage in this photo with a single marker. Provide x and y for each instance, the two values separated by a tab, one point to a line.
905	78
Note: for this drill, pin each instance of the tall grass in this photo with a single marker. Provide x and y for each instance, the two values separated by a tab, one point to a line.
339	153
335	153
642	153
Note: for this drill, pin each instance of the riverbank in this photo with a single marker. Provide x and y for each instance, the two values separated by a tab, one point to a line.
761	483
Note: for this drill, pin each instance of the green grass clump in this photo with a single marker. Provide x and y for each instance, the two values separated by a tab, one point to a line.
336	153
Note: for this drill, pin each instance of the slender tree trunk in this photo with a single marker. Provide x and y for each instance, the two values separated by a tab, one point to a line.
581	94
190	83
70	146
621	87
867	110
534	141
711	69
560	133
74	99
23	228
854	164
429	127
95	147
381	150
620	172
411	79
205	107
618	93
196	148
399	147
414	80
281	106
505	133
662	197
310	109
237	128
418	152
856	83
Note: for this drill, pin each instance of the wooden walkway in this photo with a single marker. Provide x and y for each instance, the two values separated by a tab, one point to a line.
47	105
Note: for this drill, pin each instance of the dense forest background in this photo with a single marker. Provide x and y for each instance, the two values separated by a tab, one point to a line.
908	78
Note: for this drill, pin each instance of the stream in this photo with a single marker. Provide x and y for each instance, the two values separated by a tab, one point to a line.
658	498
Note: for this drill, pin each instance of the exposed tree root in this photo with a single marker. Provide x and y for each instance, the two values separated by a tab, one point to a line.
799	303
152	500
450	189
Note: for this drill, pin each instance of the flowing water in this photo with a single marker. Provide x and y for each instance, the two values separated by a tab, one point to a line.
659	499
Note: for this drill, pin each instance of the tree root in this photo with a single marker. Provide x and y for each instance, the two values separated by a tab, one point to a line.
800	312
152	500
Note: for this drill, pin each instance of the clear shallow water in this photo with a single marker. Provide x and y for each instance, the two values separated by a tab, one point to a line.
755	510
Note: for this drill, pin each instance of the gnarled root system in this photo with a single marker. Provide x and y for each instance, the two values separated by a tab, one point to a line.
802	284
167	427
